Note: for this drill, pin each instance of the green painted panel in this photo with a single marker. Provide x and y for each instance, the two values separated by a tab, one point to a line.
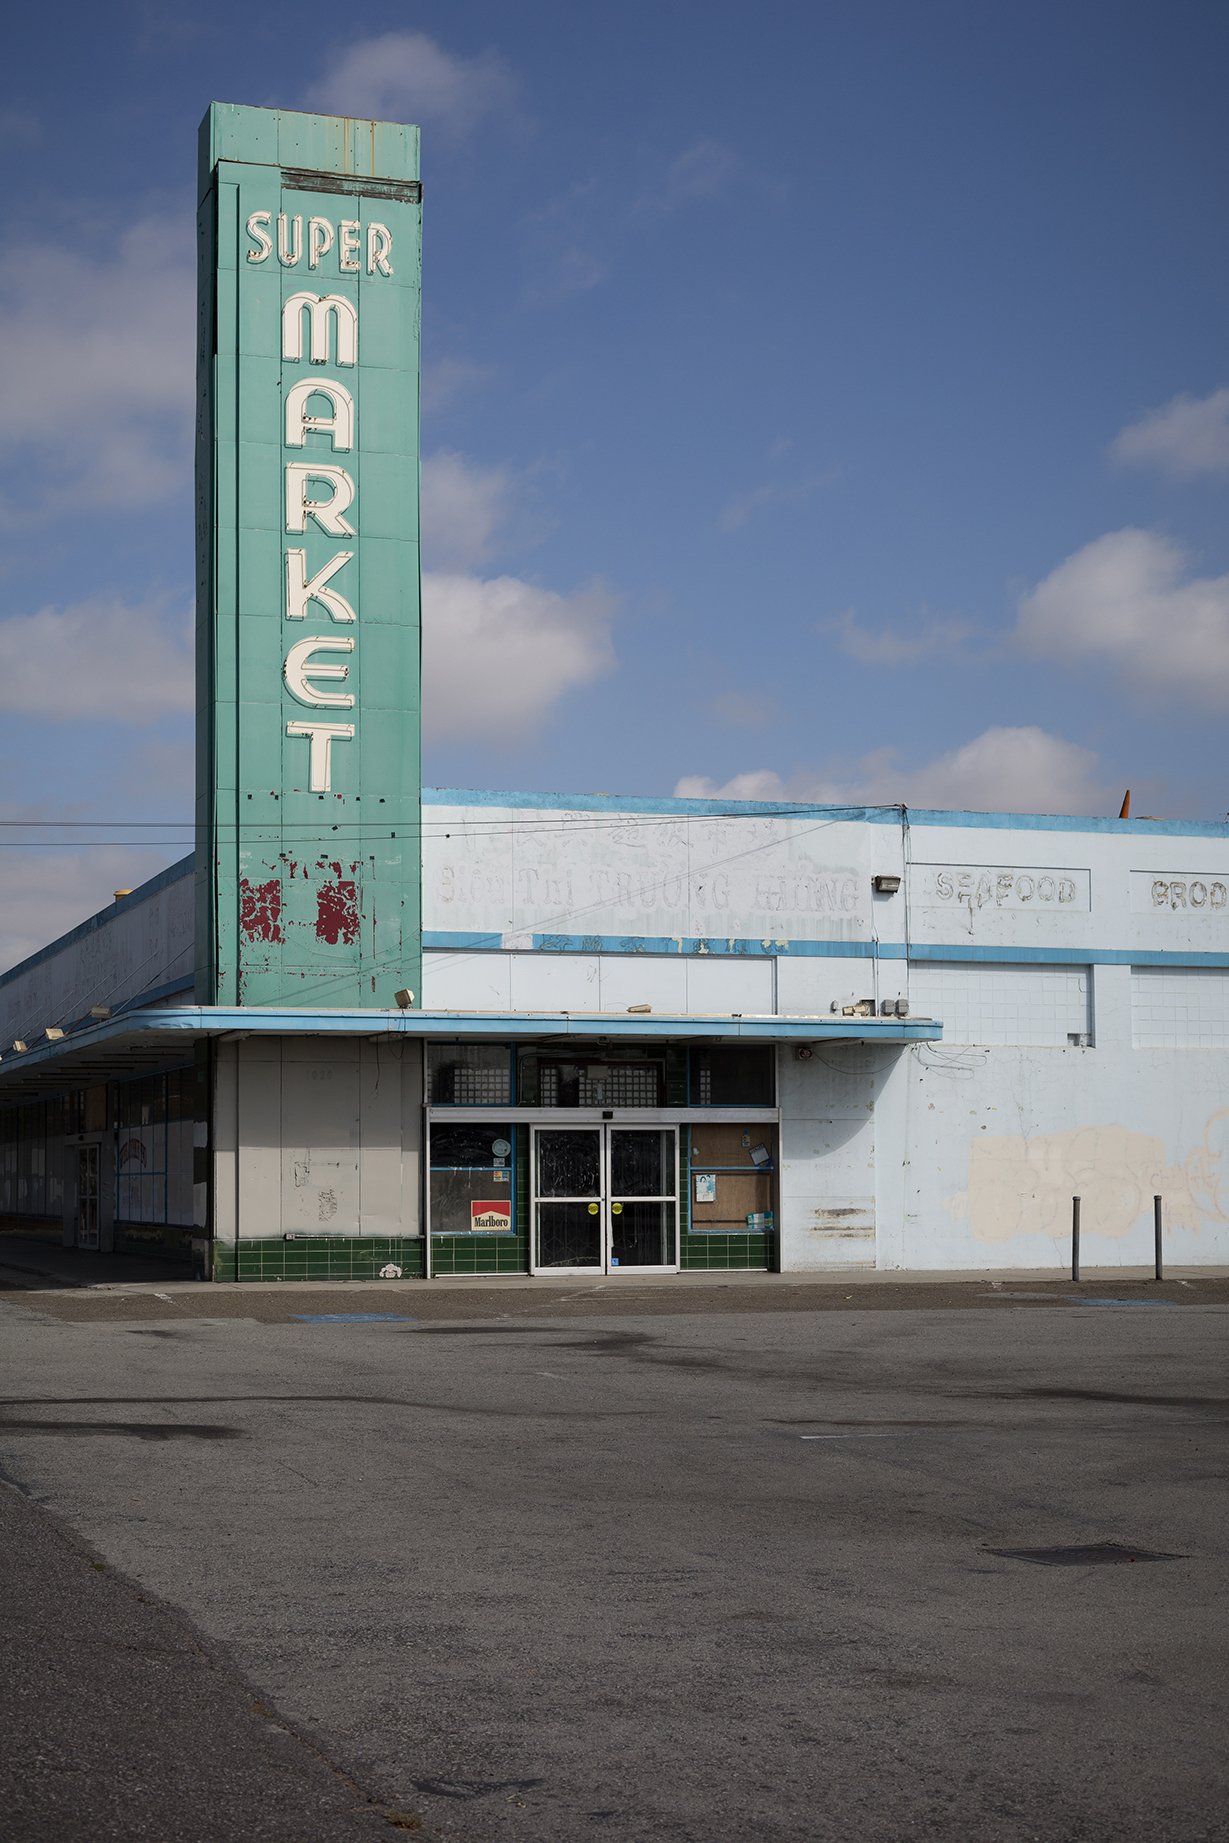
308	620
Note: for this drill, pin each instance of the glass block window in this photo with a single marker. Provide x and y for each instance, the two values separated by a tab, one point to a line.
600	1084
469	1074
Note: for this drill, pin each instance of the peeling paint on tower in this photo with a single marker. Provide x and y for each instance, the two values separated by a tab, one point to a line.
307	559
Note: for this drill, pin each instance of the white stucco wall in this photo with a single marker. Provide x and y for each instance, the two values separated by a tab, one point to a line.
1068	1065
133	946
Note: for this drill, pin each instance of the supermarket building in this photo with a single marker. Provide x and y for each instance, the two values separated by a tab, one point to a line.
658	1035
368	1029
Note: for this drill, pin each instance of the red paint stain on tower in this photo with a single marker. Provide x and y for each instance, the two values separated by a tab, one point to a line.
337	909
260	910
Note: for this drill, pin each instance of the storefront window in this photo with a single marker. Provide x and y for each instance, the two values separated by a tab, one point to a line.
733	1075
472	1181
32	1159
153	1149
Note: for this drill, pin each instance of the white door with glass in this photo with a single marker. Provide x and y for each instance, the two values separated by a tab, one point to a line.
605	1199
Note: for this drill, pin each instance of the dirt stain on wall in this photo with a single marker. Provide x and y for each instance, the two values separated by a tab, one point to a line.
1024	1186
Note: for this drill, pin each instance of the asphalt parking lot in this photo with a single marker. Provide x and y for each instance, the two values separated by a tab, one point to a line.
496	1566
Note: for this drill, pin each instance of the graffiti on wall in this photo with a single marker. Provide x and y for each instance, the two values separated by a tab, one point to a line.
1020	1186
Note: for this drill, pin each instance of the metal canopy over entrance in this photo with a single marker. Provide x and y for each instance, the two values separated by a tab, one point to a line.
148	1037
604	1199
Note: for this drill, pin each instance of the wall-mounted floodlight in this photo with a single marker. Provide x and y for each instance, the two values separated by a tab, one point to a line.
19	1046
404	998
100	1013
53	1033
886	886
120	894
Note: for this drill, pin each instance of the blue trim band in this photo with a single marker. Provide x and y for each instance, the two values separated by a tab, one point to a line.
646	803
666	946
171	1029
670	947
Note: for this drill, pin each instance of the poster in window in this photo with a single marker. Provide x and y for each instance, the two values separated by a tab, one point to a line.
491	1216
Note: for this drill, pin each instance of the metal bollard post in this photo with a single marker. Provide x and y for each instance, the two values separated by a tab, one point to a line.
1157	1229
1075	1238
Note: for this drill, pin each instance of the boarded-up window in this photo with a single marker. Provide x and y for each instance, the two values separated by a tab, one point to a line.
732	1173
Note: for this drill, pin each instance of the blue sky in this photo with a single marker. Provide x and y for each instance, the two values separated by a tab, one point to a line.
819	401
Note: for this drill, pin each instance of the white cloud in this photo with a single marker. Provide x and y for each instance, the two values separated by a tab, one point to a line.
561	236
409	77
445	379
1189	435
498	654
464	507
1004	770
47	893
97	371
100	659
700	171
896	647
774	493
1123	601
574	238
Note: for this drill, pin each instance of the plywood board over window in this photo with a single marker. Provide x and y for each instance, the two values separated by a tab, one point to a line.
740	1164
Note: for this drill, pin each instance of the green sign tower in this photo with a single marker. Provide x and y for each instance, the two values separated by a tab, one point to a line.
308	636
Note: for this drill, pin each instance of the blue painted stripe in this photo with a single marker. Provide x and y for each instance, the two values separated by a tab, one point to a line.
437	938
666	946
1071	956
1069	822
176	1025
717	948
614	804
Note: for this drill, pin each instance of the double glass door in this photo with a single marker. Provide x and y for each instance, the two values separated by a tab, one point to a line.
605	1199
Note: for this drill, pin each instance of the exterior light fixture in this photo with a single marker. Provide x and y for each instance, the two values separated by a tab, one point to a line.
120	894
19	1046
886	886
53	1033
100	1013
404	998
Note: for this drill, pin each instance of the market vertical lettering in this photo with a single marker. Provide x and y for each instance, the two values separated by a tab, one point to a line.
319	493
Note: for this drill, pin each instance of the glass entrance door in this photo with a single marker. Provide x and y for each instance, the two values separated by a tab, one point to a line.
605	1199
87	1196
568	1206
